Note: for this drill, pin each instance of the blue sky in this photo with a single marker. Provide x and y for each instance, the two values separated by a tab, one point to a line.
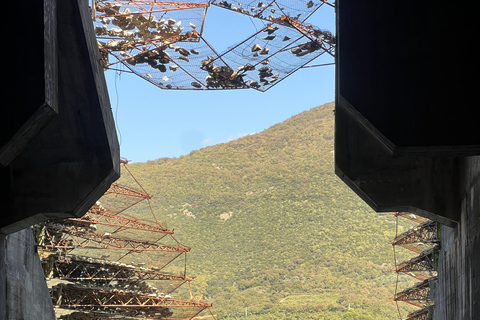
154	123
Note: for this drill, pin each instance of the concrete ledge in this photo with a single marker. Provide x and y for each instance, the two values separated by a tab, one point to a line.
73	160
428	186
25	115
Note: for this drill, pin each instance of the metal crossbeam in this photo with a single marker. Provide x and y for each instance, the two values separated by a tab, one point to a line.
417	266
271	9
422	314
415	238
110	9
86	239
89	315
418	296
76	268
122	190
127	191
411	216
99	298
104	217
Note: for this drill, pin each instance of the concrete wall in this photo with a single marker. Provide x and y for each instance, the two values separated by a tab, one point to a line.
457	295
23	291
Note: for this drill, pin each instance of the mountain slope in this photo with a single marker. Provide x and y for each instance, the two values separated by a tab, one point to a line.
274	233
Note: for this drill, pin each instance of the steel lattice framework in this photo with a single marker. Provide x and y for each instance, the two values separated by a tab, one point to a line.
421	267
269	10
99	215
411	216
92	315
419	295
422	239
128	191
85	239
422	314
418	237
66	239
270	55
81	269
129	303
76	250
161	43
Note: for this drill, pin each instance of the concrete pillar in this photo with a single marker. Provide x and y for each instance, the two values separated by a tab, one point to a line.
23	291
457	295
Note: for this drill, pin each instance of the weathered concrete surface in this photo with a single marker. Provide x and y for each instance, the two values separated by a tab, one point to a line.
34	103
424	185
393	67
23	291
457	295
62	169
403	115
406	135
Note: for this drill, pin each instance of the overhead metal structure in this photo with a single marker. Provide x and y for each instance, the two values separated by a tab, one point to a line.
270	10
77	268
128	303
91	252
421	267
64	238
421	314
418	296
137	196
424	240
411	216
163	43
419	238
98	215
273	53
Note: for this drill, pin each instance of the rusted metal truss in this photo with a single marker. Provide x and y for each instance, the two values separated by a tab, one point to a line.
98	215
127	191
61	237
419	295
123	302
422	314
111	8
411	216
142	22
89	315
416	238
122	190
421	267
77	268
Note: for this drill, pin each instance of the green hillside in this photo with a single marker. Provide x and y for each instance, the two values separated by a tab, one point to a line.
275	234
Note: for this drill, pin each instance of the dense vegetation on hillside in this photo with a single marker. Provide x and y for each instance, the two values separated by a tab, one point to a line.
274	232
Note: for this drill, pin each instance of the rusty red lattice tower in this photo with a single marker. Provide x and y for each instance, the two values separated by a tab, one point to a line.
422	239
115	260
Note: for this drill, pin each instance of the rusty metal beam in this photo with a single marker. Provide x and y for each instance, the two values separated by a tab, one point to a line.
79	268
104	217
85	239
127	191
421	267
410	216
154	6
415	238
422	314
418	296
75	297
